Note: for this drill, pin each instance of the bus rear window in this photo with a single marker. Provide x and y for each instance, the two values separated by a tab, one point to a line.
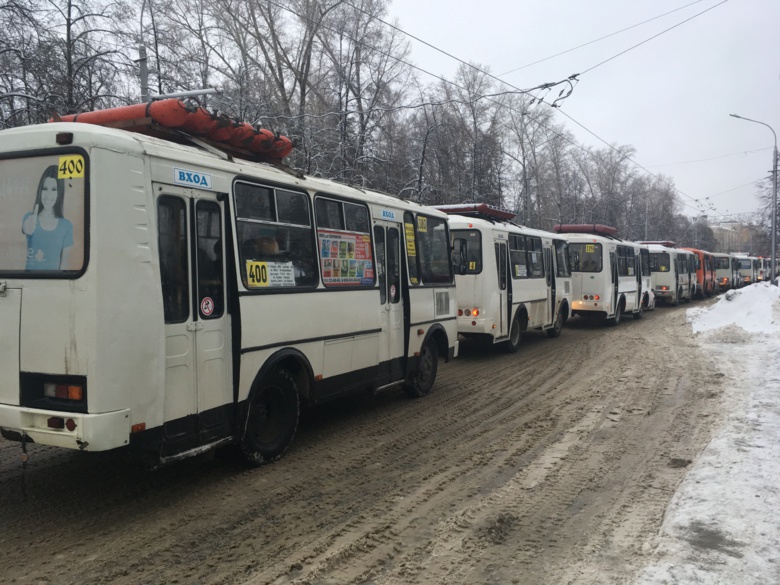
659	262
585	257
745	264
42	227
721	263
471	242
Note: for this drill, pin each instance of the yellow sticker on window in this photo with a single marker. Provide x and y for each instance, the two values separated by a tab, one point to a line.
422	223
590	248
257	274
472	265
411	249
70	167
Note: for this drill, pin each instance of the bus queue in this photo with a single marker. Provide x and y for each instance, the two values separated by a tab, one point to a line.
169	299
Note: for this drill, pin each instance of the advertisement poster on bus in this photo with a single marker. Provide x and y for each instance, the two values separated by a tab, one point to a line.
346	258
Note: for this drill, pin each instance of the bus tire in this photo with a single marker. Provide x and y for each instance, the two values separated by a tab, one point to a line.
421	380
638	314
613	321
555	330
515	337
272	419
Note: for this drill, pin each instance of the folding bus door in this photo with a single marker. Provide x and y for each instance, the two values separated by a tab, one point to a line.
504	302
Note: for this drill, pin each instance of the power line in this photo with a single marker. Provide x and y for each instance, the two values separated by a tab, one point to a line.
653	37
600	38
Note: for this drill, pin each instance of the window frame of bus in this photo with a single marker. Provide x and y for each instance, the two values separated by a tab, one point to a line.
273	224
645	261
325	196
57	274
655	256
412	260
422	282
183	260
600	256
624	254
562	264
454	238
214	282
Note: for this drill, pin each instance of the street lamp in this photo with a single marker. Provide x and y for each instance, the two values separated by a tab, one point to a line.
773	272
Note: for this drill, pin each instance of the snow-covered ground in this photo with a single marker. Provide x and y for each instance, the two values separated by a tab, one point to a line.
723	524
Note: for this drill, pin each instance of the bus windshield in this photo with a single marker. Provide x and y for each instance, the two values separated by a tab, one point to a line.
585	257
42	225
472	240
659	262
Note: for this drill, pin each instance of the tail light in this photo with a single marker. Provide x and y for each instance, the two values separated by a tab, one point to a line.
52	392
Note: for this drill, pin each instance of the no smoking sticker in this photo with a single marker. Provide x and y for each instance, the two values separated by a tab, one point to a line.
207	306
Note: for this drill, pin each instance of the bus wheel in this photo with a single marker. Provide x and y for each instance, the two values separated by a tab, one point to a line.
612	321
638	314
515	337
555	330
421	381
272	419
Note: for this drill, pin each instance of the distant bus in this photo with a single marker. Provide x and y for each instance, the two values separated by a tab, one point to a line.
748	268
509	279
726	274
170	299
607	278
704	265
673	272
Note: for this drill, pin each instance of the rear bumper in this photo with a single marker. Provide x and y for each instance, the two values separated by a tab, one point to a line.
93	432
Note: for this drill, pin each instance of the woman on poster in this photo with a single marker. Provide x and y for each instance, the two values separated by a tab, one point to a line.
49	234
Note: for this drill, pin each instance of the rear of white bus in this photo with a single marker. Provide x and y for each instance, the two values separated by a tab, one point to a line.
53	335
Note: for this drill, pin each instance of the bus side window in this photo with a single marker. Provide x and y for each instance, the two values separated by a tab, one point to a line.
562	258
536	260
394	264
174	270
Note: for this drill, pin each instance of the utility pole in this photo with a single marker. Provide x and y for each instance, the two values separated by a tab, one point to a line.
773	271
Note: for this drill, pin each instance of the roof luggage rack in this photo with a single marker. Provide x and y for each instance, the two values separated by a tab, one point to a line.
596	229
174	120
478	210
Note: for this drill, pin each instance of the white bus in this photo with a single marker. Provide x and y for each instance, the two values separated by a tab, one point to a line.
509	279
747	268
607	278
674	272
171	299
725	273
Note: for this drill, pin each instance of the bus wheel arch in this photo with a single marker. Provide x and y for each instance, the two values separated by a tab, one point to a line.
420	380
516	328
270	414
560	319
615	320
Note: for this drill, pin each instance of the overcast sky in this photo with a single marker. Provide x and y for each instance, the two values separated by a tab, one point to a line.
670	98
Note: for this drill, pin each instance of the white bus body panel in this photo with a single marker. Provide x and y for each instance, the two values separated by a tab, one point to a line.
142	371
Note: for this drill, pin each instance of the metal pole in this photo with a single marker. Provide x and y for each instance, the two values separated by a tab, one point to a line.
773	275
144	72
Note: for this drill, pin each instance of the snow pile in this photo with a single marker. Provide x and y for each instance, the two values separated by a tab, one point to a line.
753	309
723	523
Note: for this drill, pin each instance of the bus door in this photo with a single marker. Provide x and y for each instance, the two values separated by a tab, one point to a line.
613	265
392	354
197	377
638	272
504	299
550	272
